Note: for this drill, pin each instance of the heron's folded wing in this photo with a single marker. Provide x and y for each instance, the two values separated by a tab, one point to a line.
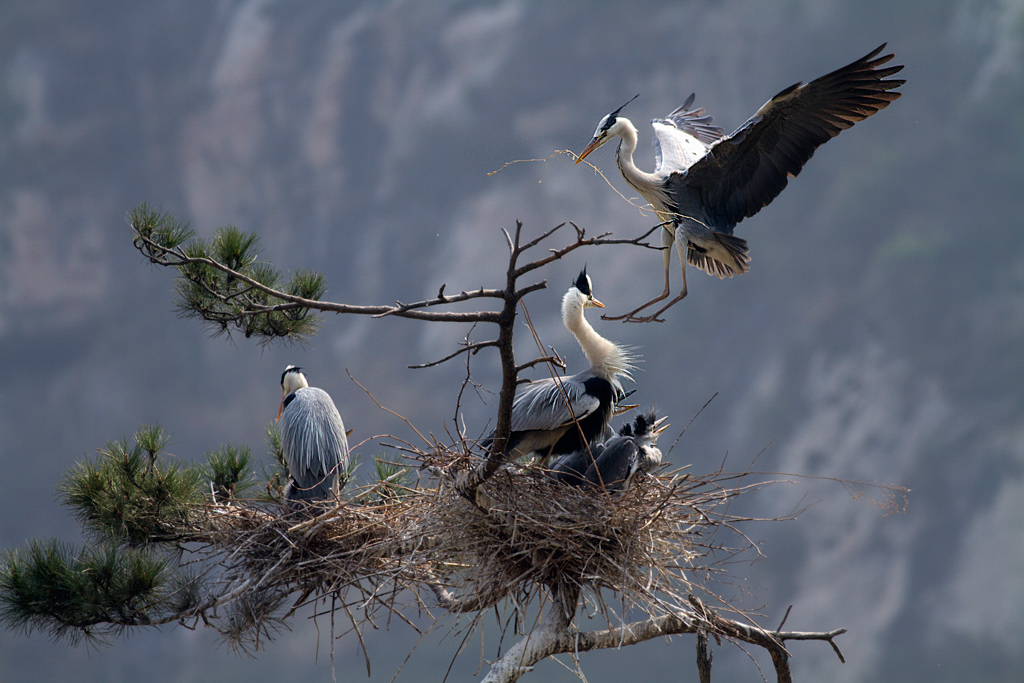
613	466
313	436
547	404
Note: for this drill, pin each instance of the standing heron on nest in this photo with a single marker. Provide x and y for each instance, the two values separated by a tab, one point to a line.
613	464
704	182
313	439
553	416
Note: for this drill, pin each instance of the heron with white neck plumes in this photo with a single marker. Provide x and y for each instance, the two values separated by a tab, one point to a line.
553	416
705	182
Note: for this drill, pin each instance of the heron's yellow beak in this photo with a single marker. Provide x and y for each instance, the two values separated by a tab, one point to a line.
594	144
659	428
622	408
594	303
280	409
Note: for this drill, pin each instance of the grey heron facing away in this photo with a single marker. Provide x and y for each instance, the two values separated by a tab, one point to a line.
613	464
313	439
705	182
556	416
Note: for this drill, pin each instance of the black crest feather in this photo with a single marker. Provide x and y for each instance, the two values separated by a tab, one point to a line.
610	119
583	282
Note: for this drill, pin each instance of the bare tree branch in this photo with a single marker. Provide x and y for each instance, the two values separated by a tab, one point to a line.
555	635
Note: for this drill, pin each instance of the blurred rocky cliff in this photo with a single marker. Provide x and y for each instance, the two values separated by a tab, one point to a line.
879	335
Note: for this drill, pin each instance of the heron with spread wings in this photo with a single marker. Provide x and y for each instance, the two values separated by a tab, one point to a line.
705	182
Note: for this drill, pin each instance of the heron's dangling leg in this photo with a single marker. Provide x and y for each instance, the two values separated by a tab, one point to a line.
682	244
667	238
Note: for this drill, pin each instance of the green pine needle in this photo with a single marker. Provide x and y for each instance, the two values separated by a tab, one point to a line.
130	495
229	468
90	593
228	302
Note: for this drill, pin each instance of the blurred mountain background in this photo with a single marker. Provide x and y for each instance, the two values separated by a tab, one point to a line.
879	335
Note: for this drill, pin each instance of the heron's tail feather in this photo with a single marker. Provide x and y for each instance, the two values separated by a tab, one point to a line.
721	255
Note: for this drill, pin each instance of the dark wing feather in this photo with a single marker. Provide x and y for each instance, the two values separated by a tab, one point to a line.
614	465
748	169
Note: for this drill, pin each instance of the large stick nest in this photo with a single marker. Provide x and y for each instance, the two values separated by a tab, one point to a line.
522	528
522	531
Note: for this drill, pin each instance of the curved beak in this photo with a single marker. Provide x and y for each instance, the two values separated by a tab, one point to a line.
594	144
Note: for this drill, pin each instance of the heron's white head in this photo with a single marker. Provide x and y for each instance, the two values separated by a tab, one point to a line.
292	380
610	126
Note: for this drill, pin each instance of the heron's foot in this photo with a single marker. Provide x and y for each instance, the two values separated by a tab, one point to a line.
632	316
669	305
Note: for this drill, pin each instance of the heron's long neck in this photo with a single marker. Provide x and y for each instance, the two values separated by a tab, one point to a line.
606	358
647	184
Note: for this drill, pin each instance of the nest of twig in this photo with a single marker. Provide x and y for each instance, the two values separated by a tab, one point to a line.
259	555
347	542
646	544
519	532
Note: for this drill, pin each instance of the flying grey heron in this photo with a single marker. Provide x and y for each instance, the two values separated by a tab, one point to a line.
705	182
556	416
313	439
613	464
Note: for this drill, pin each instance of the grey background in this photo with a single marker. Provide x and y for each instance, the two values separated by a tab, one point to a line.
877	336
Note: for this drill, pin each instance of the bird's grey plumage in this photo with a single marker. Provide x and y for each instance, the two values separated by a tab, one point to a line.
705	182
571	468
547	404
613	464
560	415
633	452
312	438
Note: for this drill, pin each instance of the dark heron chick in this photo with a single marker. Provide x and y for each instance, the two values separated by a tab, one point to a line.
705	182
613	464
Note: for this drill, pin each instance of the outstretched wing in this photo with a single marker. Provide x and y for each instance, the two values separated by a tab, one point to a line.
746	170
682	138
543	405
